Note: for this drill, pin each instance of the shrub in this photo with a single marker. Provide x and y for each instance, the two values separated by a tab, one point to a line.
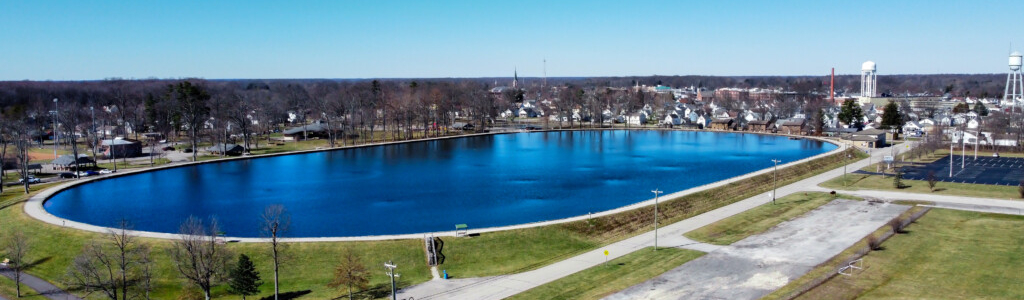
874	242
931	181
897	225
1020	188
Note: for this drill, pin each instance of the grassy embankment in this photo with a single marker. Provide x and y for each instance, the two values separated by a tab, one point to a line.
485	255
613	276
761	218
947	254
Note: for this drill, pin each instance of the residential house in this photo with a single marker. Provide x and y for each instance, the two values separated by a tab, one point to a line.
760	126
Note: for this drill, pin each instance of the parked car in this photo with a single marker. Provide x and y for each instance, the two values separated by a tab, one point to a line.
106	171
187	150
168	148
87	173
29	179
66	175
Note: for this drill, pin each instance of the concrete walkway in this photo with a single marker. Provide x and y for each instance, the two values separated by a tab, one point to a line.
44	287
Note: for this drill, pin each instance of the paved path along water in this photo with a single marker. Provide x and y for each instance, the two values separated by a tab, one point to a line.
44	287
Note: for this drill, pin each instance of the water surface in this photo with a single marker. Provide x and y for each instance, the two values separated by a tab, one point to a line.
482	181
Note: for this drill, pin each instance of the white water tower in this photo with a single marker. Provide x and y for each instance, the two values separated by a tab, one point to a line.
868	76
1014	82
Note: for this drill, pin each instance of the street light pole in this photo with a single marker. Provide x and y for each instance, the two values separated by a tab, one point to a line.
95	139
56	113
391	272
656	193
775	177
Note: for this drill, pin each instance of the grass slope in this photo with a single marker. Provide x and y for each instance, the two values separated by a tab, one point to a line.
616	275
874	182
759	219
947	254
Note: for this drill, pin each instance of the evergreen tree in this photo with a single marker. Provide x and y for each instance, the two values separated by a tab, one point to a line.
819	122
891	117
980	109
851	113
961	108
245	280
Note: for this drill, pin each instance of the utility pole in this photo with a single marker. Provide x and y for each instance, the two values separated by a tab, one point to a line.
775	177
391	272
951	141
95	140
56	113
656	193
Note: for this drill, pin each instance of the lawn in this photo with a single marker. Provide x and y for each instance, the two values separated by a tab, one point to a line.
760	219
613	276
876	182
133	164
947	254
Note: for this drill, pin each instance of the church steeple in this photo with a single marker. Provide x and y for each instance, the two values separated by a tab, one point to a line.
515	78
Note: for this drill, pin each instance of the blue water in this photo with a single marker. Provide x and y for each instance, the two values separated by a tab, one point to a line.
481	181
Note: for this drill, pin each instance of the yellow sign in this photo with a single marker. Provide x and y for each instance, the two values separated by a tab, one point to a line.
605	252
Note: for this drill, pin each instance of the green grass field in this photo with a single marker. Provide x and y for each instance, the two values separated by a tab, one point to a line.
875	182
760	219
615	275
947	254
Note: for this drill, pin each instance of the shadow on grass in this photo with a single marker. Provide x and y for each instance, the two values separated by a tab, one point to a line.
288	295
13	203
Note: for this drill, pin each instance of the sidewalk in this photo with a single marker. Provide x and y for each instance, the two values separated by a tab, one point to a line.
44	287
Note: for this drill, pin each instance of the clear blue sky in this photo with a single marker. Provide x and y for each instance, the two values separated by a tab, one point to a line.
74	40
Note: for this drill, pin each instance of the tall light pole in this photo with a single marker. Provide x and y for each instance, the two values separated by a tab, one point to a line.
391	272
56	113
775	177
848	157
951	141
656	193
95	139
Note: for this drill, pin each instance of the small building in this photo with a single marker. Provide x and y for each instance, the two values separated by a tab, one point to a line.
309	131
871	138
794	126
67	162
672	120
226	149
462	126
118	148
721	124
636	118
760	126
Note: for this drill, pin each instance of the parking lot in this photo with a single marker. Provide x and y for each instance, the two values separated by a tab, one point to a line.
983	170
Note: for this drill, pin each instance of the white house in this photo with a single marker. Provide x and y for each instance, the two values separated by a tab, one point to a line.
672	119
636	119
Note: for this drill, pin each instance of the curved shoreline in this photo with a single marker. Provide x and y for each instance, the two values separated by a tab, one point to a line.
34	205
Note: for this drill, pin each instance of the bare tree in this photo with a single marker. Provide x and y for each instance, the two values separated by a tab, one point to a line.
350	273
275	223
16	249
197	254
22	144
193	109
112	266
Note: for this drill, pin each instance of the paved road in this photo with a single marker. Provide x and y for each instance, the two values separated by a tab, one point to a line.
44	287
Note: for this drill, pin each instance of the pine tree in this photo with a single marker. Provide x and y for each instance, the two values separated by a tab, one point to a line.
980	109
245	280
891	117
851	113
